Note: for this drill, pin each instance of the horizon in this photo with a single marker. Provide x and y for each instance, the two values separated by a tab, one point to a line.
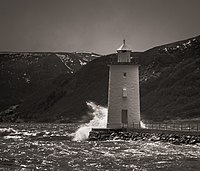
95	26
91	51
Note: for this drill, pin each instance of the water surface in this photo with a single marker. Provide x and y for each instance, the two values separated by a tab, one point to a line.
50	147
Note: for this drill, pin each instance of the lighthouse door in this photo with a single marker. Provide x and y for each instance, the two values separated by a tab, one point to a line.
124	118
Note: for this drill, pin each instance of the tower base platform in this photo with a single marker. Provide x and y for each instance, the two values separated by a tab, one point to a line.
175	137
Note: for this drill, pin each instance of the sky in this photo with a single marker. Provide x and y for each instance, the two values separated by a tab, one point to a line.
95	25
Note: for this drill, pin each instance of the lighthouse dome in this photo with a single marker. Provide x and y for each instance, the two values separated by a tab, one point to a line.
124	47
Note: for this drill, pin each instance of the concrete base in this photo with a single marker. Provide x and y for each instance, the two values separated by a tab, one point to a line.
175	137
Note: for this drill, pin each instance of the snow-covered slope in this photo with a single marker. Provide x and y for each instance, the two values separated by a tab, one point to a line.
74	61
23	73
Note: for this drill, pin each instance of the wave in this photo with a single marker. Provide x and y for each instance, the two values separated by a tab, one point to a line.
6	131
99	120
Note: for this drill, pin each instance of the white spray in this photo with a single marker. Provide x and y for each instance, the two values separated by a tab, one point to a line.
99	120
142	124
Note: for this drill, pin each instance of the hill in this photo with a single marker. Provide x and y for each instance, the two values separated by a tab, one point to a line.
169	87
170	81
23	73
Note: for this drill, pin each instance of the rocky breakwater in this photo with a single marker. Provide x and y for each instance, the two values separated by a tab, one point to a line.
145	135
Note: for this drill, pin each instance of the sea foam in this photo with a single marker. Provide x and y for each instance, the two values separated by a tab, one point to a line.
99	120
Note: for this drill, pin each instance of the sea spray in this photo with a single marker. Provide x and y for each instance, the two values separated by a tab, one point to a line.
142	124
99	120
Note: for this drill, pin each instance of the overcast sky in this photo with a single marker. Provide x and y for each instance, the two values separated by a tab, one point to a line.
95	25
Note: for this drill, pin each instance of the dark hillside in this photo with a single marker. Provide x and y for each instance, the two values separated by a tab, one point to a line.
169	86
66	98
21	74
170	80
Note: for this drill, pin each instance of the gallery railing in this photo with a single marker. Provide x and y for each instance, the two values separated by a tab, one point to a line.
180	126
114	61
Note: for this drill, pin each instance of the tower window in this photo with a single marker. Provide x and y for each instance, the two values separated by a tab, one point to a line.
124	92
124	74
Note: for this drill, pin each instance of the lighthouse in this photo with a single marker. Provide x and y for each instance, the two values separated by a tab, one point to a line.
123	92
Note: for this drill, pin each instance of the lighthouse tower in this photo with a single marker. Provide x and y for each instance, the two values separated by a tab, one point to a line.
123	93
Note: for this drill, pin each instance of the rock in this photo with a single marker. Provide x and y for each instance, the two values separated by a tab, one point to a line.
135	136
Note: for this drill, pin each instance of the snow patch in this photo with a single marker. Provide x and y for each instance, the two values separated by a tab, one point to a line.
95	55
82	62
67	66
60	56
28	80
187	44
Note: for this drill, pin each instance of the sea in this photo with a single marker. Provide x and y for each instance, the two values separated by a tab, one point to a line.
64	147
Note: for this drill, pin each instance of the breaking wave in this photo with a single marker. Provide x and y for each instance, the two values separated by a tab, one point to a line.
142	124
99	120
6	131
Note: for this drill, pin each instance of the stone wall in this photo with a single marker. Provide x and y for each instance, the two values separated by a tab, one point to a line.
173	137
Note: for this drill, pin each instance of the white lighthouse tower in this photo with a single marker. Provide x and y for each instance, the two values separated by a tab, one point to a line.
123	93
